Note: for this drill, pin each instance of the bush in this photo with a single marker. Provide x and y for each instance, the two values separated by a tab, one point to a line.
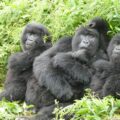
11	110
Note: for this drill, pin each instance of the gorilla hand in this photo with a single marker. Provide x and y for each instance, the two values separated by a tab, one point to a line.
80	55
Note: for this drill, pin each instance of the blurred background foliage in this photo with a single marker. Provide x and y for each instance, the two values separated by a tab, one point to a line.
61	17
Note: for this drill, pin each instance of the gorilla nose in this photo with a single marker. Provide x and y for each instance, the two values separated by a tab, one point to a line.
86	42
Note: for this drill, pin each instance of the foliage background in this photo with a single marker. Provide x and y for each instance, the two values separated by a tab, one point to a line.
61	17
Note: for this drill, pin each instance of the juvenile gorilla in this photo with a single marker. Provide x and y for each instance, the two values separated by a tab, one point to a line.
20	64
108	76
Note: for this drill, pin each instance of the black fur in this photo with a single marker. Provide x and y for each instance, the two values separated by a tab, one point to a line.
102	27
109	77
38	94
65	73
20	64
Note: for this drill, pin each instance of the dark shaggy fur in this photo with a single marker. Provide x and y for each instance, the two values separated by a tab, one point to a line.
20	64
108	73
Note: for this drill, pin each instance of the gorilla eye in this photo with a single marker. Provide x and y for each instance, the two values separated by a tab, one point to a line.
92	25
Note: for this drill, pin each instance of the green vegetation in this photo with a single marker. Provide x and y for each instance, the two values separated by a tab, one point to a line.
11	110
90	108
61	17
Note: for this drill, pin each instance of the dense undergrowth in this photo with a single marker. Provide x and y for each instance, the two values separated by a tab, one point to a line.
61	17
90	108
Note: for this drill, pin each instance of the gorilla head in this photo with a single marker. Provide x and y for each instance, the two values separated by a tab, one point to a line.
33	36
99	24
114	49
86	39
102	27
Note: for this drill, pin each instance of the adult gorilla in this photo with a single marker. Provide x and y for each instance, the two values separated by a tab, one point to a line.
108	76
65	73
20	64
37	94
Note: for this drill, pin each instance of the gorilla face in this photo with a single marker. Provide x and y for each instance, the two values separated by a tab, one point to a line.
114	49
32	39
33	36
115	57
87	40
89	43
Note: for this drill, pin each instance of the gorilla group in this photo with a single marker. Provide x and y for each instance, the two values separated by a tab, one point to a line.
106	80
65	68
60	72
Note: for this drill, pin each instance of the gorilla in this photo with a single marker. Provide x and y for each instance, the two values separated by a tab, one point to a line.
109	75
36	94
48	73
65	73
20	64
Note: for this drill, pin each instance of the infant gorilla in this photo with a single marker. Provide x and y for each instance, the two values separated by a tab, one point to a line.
106	80
20	64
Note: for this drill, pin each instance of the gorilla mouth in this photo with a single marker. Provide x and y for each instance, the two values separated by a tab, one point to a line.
116	52
28	46
84	48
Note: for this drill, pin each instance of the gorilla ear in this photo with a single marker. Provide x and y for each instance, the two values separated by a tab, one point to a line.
92	25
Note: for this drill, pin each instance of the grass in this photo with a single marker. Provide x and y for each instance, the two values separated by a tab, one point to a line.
90	108
11	110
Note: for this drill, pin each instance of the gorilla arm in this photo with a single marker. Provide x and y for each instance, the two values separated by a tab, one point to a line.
101	68
73	64
20	61
53	79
